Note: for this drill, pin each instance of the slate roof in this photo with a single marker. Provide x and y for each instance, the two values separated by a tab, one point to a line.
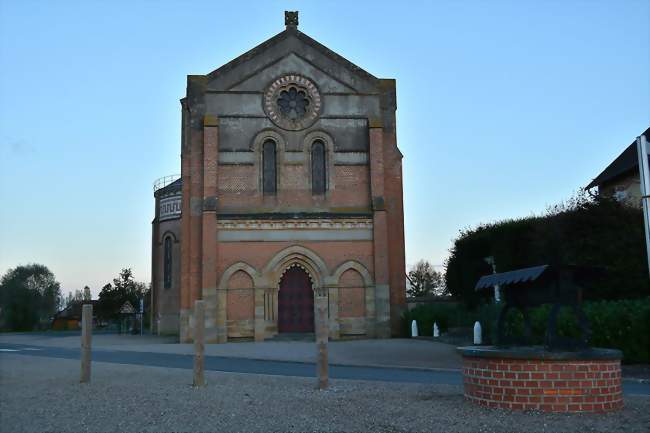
513	277
300	36
625	163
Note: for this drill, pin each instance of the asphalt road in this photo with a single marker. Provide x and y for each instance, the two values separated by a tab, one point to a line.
253	366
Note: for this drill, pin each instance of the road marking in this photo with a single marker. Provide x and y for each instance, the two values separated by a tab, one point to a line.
31	348
8	350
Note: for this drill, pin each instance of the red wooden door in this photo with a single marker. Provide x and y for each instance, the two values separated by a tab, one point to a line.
295	302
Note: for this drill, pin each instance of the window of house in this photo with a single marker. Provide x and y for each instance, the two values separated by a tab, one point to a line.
318	174
167	268
269	176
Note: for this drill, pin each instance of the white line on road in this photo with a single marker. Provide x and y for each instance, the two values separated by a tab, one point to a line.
8	350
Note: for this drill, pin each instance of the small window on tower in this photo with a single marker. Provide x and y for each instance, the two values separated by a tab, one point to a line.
269	184
318	174
167	268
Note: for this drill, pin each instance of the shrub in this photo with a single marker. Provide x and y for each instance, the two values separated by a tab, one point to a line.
446	315
585	231
623	325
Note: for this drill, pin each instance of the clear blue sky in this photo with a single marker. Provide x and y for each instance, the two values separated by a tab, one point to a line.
504	108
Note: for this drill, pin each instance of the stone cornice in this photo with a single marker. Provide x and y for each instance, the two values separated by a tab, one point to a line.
292	224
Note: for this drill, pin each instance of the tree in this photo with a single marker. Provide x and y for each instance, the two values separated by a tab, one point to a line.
77	296
424	280
29	295
123	289
584	231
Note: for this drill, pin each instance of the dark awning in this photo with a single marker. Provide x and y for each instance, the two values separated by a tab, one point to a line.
519	276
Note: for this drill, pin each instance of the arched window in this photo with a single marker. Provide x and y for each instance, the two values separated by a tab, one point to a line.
269	167
167	267
318	174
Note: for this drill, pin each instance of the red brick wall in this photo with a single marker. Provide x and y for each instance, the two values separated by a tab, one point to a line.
352	297
550	386
241	300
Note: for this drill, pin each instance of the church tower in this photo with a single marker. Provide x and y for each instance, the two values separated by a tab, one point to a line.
291	183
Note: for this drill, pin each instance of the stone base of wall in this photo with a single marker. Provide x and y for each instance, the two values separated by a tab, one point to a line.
168	324
531	378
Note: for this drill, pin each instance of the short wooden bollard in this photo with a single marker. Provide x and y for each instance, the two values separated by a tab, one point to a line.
199	343
86	341
322	335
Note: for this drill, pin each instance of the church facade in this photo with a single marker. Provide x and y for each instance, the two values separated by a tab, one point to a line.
291	184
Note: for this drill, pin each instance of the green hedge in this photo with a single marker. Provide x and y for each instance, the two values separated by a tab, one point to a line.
446	315
623	325
585	231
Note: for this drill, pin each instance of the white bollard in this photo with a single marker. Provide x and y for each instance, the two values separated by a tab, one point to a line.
436	331
477	333
414	329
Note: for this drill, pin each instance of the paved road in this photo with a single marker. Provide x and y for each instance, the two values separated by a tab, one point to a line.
252	366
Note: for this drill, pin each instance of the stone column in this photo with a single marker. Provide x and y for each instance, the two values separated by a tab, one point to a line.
209	249
186	223
380	231
334	325
199	344
260	318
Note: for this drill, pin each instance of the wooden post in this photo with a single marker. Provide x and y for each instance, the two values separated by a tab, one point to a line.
322	335
199	343
86	340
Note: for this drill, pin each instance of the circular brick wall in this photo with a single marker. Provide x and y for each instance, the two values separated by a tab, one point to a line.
546	381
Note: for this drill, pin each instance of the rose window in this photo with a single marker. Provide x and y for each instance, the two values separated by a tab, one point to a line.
292	102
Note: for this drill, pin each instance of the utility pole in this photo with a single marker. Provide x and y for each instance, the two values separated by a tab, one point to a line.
644	175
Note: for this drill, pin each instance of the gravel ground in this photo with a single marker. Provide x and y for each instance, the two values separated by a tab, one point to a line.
43	395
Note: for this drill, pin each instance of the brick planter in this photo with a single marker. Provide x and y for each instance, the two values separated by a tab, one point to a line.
531	378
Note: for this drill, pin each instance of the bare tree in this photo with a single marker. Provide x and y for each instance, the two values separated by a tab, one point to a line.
424	280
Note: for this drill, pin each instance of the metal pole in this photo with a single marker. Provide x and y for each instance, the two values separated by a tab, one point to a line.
86	341
644	176
199	345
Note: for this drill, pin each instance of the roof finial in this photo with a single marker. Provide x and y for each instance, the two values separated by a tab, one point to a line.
291	19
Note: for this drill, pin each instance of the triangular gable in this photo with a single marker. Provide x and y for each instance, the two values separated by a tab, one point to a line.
287	65
283	45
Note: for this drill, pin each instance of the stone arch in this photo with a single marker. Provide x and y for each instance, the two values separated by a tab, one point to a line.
301	256
352	264
168	233
240	305
234	268
328	141
256	146
355	303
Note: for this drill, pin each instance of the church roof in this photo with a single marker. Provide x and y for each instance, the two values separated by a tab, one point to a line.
625	163
302	37
290	32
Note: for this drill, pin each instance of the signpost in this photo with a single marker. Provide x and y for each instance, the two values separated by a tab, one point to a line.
644	175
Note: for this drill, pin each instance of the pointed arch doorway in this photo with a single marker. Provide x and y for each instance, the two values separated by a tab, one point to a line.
295	302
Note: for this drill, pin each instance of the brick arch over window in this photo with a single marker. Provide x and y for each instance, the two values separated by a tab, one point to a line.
240	306
355	298
269	146
326	181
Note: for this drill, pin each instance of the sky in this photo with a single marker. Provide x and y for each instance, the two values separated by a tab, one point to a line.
503	109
